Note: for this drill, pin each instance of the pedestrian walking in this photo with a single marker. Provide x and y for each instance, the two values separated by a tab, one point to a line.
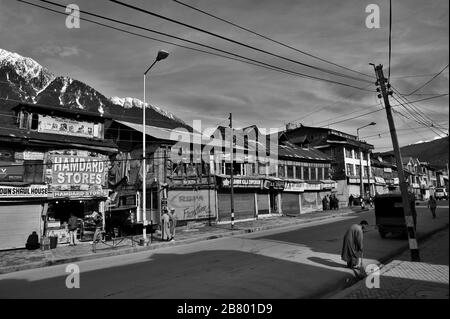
325	203
432	205
350	200
98	219
72	225
352	247
173	223
362	202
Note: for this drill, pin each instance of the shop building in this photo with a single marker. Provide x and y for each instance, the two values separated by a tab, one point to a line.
186	185
346	152
54	162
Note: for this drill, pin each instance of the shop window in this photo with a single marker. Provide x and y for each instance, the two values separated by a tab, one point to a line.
262	169
298	172
281	171
366	171
348	153
290	171
306	176
350	169
358	170
320	177
357	155
327	173
33	172
34	121
313	173
23	120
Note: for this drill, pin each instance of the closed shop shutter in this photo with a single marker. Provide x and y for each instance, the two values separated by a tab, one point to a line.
244	206
263	204
17	222
289	204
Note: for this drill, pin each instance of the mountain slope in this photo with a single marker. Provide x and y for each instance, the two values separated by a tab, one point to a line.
23	79
435	152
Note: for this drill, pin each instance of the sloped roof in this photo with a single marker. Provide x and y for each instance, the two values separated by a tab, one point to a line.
34	137
290	151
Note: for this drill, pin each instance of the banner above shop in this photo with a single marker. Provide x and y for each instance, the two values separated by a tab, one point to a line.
313	187
357	180
80	194
57	125
242	183
33	191
294	187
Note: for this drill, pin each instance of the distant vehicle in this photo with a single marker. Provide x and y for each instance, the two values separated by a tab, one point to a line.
441	193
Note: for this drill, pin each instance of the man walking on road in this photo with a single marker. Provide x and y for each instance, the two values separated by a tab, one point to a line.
352	247
432	205
72	225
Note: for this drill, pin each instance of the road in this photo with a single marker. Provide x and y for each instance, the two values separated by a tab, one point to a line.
301	261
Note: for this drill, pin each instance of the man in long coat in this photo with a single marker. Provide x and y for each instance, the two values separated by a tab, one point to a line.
352	247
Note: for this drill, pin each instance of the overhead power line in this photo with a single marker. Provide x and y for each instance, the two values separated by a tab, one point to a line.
269	39
283	70
232	41
429	81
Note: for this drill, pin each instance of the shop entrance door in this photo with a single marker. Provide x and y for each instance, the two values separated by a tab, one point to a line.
273	202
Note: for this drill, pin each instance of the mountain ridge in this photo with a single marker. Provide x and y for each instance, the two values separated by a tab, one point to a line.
23	79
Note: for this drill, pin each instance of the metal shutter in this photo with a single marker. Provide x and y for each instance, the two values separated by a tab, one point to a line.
290	204
244	206
263	204
17	222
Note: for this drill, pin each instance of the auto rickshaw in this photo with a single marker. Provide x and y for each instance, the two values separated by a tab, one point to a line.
389	215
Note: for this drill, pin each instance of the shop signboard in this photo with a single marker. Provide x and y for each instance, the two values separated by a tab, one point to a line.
29	156
76	172
312	187
11	173
64	126
309	201
32	191
380	180
80	194
328	185
191	205
294	187
242	183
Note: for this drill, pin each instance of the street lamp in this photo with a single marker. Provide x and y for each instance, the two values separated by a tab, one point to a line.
161	56
360	162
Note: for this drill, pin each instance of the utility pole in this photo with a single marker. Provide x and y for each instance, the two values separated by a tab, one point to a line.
231	171
413	246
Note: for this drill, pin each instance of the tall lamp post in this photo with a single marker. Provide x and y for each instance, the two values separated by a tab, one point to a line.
161	56
360	162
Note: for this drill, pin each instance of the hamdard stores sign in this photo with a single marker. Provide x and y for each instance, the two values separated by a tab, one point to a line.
65	172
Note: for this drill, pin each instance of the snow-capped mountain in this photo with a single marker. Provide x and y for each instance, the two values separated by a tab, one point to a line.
22	79
130	102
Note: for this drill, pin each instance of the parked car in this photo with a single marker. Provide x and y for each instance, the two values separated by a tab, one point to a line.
441	193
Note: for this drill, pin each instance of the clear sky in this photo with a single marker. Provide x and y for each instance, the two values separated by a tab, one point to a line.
197	86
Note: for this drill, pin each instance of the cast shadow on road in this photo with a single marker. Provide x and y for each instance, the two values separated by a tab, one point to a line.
326	262
209	274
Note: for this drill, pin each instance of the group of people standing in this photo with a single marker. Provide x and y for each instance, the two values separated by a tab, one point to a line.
330	202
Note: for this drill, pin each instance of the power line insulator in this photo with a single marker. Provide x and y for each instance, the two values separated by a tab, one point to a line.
378	90
379	96
391	92
377	83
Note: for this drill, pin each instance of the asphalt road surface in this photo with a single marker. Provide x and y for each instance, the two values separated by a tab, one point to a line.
301	261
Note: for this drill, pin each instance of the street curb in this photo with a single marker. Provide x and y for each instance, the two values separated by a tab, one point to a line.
386	263
126	251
